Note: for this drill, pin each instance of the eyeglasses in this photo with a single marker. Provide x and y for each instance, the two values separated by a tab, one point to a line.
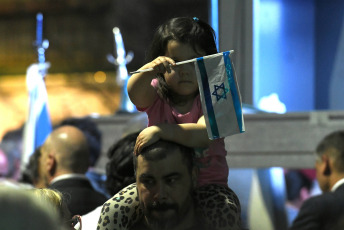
75	223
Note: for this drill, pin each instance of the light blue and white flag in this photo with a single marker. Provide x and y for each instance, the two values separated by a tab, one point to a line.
38	124
220	96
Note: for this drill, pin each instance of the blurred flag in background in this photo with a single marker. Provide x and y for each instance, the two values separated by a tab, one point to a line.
38	124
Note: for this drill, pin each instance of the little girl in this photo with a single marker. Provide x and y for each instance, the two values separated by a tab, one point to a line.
170	97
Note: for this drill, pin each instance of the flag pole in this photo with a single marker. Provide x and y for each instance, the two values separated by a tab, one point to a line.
120	61
37	125
182	62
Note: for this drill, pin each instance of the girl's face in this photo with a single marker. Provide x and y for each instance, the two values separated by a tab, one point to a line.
182	78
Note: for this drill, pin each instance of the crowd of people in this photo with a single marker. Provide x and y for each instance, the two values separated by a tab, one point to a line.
168	176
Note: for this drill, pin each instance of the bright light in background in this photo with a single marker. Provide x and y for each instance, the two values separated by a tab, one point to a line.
130	107
266	32
272	104
214	19
99	77
277	177
270	16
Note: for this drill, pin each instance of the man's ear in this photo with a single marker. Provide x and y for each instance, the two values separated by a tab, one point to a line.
51	164
327	167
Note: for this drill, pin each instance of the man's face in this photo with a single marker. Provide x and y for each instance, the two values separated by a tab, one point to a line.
164	187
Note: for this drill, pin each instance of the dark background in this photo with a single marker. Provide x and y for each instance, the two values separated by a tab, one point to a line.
80	31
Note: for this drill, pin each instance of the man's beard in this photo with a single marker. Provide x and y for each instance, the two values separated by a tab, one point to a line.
163	222
166	222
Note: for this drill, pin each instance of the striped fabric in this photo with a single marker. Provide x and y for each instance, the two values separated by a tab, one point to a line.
220	96
38	124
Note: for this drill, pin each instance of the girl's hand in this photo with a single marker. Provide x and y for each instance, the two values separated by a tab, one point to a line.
162	64
141	92
147	137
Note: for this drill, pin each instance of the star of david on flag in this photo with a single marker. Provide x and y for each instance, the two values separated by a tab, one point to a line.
220	96
220	91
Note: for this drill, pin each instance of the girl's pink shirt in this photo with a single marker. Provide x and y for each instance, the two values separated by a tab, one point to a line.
211	161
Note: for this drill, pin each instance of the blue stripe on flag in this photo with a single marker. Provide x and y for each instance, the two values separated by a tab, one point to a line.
207	98
43	127
233	89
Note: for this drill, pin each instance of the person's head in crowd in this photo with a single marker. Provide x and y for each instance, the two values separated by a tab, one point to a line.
166	178
326	210
330	160
31	173
188	30
91	132
298	187
3	164
56	199
120	168
11	144
20	209
65	151
194	32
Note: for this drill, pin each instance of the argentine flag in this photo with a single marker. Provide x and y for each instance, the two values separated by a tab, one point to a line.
38	124
220	96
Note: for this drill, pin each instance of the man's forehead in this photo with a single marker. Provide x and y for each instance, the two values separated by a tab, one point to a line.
171	164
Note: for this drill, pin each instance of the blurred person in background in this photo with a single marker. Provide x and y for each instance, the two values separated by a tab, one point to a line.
119	173
63	163
3	164
31	173
11	145
325	211
94	140
59	204
20	209
299	184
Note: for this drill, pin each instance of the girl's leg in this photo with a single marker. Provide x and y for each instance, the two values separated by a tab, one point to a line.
220	206
121	211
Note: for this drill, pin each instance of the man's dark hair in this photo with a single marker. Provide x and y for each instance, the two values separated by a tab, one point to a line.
159	150
335	141
30	174
120	168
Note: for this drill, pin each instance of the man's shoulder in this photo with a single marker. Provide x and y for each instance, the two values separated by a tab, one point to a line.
77	186
323	205
330	198
314	203
70	180
320	212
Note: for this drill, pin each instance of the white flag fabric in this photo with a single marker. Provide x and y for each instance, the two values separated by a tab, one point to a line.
220	95
38	124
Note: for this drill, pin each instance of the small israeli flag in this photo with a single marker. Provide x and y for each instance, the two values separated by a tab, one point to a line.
38	125
220	96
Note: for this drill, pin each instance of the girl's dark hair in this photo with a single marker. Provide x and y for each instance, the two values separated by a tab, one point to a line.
186	30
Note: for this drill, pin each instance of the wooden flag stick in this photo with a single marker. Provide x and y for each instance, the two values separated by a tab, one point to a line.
181	62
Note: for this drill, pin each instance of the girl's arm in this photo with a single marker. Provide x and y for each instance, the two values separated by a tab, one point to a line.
140	91
189	134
